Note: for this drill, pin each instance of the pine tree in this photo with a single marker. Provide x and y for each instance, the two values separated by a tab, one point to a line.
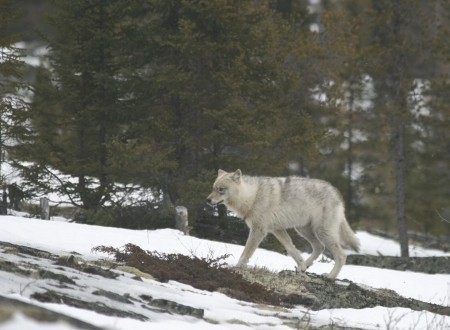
328	68
12	106
80	109
397	47
214	91
430	180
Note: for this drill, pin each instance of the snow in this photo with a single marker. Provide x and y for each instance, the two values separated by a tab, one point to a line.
126	194
20	322
64	238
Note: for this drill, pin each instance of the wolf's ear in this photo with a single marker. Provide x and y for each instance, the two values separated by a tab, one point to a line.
237	176
221	172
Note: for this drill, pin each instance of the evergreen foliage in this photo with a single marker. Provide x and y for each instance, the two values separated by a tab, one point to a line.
430	174
161	94
80	108
215	91
12	107
390	51
399	37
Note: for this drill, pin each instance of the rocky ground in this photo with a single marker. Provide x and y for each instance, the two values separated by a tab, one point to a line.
428	265
51	278
318	293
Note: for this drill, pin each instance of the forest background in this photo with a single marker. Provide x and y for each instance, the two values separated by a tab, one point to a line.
133	106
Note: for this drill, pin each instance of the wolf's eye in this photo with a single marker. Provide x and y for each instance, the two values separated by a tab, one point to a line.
221	190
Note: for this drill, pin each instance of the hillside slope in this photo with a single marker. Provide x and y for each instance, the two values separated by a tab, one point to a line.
50	265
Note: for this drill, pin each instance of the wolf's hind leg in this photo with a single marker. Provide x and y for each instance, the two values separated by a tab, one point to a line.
254	239
339	256
316	245
286	241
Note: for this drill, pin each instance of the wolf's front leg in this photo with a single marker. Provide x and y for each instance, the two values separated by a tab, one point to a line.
286	241
254	239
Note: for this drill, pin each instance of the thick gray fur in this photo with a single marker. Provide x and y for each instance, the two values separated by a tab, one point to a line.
314	208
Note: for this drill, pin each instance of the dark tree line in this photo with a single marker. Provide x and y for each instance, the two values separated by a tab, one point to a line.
161	94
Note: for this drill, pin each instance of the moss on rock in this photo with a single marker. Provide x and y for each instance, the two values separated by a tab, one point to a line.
316	292
10	306
429	265
57	298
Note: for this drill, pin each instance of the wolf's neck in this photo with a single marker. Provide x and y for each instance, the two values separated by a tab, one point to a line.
243	204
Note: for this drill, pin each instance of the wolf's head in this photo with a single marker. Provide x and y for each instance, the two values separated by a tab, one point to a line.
225	187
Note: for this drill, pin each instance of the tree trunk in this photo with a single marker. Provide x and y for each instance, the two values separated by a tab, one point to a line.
349	203
81	187
4	202
181	220
45	209
102	121
400	183
399	130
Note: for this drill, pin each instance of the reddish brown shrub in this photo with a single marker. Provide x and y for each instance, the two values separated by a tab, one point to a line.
208	274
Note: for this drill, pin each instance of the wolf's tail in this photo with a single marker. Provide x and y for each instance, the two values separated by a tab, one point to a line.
348	237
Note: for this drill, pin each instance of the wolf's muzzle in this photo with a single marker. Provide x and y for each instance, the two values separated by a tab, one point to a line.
209	202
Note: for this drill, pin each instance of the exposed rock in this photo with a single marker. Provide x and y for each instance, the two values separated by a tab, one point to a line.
74	262
316	292
95	270
57	298
70	261
53	276
429	265
304	325
33	271
346	294
112	296
11	267
173	307
290	288
135	271
27	250
10	306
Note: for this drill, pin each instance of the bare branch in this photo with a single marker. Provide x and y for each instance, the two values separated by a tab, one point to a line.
442	218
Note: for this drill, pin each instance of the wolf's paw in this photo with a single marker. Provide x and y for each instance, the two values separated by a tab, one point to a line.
308	264
328	276
303	267
241	266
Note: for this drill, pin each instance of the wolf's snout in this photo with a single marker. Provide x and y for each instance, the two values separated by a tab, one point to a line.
208	200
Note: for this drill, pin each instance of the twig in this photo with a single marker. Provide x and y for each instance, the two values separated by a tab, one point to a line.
68	194
392	322
190	250
29	283
442	218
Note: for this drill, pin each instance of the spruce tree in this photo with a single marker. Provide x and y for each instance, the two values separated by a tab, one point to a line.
215	91
12	106
397	46
430	182
328	68
79	108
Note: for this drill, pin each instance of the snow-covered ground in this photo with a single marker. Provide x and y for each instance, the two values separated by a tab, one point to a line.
64	238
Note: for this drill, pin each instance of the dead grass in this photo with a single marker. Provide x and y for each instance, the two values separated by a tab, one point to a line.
210	274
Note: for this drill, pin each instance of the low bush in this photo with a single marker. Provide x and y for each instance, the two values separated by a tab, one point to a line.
210	274
142	215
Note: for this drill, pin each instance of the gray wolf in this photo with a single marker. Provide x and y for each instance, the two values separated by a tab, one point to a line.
314	208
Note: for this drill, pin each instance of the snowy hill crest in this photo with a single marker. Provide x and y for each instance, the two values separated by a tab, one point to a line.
49	265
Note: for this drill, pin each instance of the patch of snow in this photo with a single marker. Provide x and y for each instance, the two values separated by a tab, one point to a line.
64	238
